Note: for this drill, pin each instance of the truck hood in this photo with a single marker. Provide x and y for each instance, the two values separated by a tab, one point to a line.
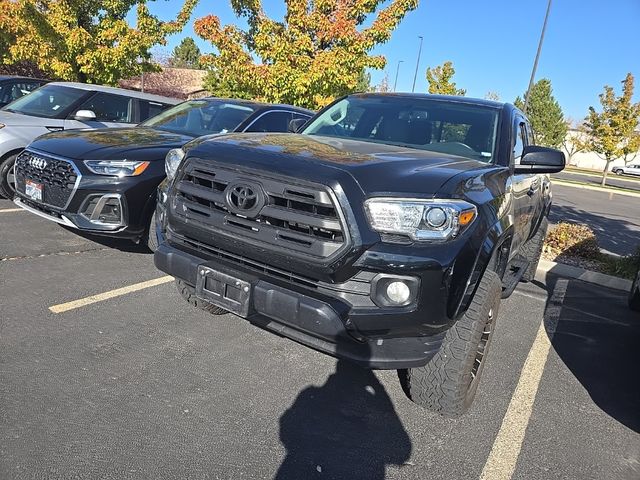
377	168
110	143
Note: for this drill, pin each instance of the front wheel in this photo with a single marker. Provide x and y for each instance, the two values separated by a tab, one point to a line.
618	172
8	177
152	238
447	384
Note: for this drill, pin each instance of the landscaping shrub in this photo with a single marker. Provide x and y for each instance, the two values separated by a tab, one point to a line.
572	239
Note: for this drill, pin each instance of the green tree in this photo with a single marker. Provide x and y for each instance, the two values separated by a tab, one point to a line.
544	113
441	82
186	55
612	133
85	40
364	82
319	50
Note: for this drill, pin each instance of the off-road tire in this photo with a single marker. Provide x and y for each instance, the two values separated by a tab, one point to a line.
151	237
532	250
189	294
447	384
6	165
634	296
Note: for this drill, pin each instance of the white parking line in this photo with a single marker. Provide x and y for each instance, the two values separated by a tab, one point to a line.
9	210
506	447
65	307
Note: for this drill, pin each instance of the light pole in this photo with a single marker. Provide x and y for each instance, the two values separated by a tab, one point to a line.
395	84
415	75
535	62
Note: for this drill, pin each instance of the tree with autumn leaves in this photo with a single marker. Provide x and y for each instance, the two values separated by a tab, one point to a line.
613	132
84	40
318	51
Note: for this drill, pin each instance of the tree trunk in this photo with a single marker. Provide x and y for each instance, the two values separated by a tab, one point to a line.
605	172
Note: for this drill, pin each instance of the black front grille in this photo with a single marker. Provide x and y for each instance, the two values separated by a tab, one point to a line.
300	217
58	177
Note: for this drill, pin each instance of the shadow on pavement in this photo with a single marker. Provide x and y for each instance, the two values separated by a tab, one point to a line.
613	234
344	429
124	245
598	338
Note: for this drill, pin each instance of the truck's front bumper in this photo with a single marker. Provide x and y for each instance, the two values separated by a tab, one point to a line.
321	322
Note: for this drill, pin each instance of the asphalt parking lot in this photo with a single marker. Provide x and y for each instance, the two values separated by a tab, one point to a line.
141	385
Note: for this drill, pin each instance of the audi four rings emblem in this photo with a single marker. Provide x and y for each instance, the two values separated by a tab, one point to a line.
38	162
245	198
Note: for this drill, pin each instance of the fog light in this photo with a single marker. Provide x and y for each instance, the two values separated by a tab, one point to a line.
398	292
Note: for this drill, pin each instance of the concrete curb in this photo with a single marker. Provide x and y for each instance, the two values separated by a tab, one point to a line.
595	188
568	271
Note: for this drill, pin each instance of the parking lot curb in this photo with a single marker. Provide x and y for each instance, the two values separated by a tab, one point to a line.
569	271
595	188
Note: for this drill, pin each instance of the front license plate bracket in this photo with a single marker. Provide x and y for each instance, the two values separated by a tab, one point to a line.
223	290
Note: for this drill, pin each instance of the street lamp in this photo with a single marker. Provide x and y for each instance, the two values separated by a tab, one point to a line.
395	84
535	63
415	76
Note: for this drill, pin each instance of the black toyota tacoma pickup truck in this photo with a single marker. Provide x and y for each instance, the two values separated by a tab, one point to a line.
384	233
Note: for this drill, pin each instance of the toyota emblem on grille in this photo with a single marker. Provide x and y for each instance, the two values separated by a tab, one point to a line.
245	198
38	162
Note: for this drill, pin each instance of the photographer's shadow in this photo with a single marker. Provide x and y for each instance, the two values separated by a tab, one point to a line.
346	428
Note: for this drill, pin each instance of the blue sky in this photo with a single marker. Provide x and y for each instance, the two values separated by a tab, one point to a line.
492	43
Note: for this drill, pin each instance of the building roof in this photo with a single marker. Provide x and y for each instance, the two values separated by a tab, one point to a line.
180	83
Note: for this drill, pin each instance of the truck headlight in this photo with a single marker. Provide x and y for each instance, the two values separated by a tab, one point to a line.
420	220
172	162
117	168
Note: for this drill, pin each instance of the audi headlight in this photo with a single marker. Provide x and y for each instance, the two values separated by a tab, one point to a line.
2	125
420	220
172	162
117	168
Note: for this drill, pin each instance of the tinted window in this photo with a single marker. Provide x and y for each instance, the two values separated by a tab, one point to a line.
49	101
11	91
202	117
109	107
150	109
271	122
455	128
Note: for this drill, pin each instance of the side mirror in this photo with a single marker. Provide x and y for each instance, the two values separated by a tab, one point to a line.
540	160
85	115
296	124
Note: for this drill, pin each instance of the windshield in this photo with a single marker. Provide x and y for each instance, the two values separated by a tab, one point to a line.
201	117
436	125
50	101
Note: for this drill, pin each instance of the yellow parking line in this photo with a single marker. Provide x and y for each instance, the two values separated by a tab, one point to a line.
9	210
65	307
506	447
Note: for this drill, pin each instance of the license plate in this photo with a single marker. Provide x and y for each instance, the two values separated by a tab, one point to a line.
33	190
223	290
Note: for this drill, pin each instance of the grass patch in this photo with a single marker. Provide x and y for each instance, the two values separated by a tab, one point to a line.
576	244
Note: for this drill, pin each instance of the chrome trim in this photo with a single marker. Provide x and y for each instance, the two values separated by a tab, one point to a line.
63	159
95	215
281	110
62	221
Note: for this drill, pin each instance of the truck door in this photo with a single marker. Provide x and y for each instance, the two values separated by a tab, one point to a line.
523	188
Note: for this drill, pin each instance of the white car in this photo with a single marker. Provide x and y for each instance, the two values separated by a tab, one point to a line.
633	169
65	105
